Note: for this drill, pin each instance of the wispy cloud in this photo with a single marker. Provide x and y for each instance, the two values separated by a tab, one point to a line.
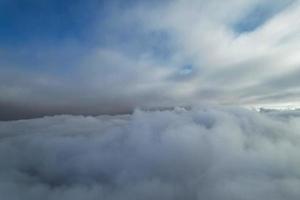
142	54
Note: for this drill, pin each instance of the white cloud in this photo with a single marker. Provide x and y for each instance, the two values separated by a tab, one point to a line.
230	61
204	153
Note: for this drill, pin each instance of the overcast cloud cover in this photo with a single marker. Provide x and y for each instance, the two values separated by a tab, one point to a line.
204	153
93	57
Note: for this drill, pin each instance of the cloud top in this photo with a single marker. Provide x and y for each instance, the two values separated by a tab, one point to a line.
203	153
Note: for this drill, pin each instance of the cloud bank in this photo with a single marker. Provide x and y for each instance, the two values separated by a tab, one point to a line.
202	153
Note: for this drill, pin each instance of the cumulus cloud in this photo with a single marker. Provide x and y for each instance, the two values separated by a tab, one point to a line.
201	153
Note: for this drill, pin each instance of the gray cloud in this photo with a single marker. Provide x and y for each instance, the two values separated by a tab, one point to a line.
203	153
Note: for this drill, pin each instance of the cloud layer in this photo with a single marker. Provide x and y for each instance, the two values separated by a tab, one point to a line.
203	153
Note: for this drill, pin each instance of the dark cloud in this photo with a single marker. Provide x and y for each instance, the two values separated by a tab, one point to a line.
16	111
203	153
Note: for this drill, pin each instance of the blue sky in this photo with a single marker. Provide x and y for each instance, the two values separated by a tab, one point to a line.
258	15
29	21
112	56
34	30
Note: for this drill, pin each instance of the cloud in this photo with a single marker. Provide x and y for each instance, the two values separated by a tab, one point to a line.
153	54
231	61
203	153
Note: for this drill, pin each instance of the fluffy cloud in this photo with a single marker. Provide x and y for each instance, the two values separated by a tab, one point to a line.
202	153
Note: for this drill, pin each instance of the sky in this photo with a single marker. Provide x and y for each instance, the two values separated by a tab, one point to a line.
137	99
109	57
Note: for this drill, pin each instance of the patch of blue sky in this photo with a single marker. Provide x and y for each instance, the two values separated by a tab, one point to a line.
186	70
184	73
47	35
259	15
26	21
39	34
